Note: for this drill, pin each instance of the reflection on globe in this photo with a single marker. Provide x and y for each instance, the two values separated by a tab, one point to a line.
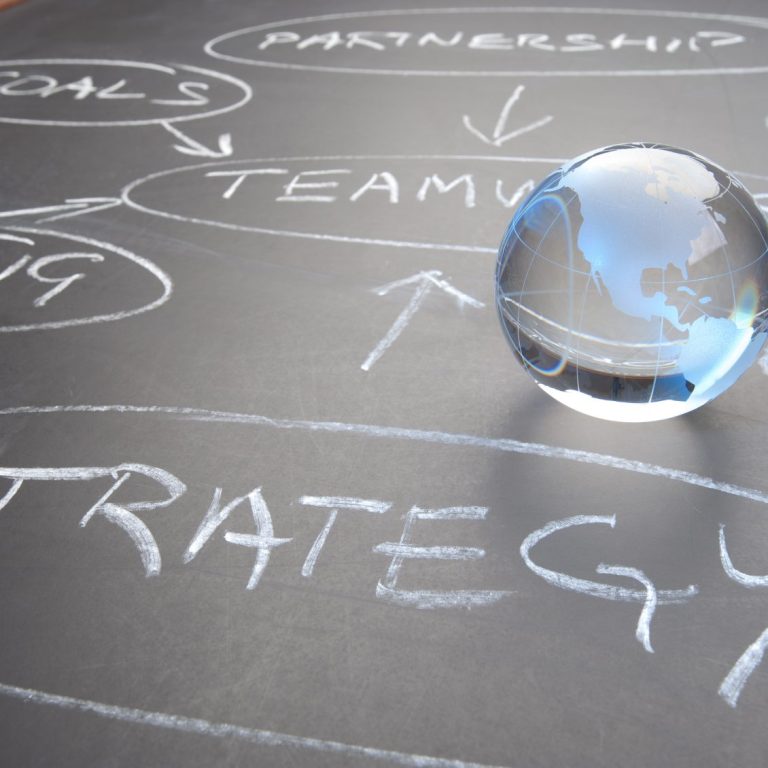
632	283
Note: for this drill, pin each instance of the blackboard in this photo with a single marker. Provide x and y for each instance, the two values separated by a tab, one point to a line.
274	490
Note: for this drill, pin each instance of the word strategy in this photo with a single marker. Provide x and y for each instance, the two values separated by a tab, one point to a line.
263	539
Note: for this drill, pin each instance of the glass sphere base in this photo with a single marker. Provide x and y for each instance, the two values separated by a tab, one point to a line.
615	411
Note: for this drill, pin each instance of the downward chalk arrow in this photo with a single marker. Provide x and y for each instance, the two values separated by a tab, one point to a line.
424	282
499	137
75	206
195	148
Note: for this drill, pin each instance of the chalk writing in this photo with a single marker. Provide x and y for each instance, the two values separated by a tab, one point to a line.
19	249
586	586
577	42
503	42
335	503
736	679
106	92
263	541
402	550
376	192
123	515
643	631
130	518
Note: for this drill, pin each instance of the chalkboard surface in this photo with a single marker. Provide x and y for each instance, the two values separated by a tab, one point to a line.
274	490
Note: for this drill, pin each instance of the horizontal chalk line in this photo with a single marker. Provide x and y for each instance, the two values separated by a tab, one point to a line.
416	435
225	730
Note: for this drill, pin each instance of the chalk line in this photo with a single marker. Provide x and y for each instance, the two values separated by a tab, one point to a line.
141	261
587	586
643	631
202	727
428	599
373	431
745	579
311	559
733	683
190	146
128	192
424	282
247	91
335	503
347	502
398	326
748	21
499	137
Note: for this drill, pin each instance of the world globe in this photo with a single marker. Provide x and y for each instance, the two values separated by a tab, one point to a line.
632	283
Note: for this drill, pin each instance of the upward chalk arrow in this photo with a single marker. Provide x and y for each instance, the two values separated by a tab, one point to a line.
424	282
191	147
499	137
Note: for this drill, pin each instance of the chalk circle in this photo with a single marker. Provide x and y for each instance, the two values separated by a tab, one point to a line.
144	263
225	47
123	68
132	197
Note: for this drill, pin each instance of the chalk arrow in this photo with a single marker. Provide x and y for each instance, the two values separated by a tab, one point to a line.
74	206
424	282
195	148
499	137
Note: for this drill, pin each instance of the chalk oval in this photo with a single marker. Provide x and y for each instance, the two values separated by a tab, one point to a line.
38	289
104	92
520	42
442	203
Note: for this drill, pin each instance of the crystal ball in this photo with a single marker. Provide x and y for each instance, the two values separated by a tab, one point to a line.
632	283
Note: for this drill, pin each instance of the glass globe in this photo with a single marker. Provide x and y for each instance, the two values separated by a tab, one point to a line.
632	283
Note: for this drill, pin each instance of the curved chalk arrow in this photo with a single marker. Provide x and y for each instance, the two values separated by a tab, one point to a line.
195	148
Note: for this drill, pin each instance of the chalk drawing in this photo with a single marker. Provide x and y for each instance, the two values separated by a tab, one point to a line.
263	541
595	588
193	98
745	579
11	492
59	283
132	193
102	247
200	727
190	146
689	38
733	683
334	503
433	437
423	282
499	137
71	207
643	632
402	550
123	515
